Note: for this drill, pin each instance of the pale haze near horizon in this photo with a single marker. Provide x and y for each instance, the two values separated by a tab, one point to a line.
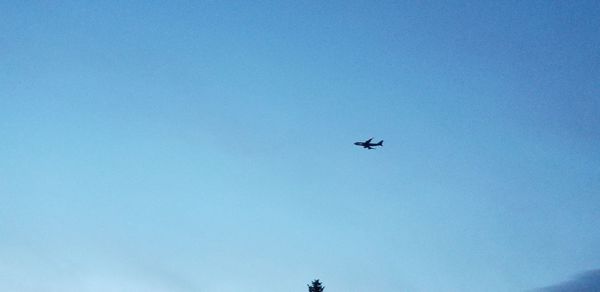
207	145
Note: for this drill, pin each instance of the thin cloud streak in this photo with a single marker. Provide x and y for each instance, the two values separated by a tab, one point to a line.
41	272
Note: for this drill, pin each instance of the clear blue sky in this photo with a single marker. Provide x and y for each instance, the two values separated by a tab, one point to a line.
207	145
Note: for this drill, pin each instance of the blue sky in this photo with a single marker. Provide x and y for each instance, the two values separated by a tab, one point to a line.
207	145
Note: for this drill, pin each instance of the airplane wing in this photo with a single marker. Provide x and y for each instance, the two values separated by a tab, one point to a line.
368	141
369	147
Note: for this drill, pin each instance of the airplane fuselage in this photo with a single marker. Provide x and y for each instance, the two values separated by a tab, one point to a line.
368	145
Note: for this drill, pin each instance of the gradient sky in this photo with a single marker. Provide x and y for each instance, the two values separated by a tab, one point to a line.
207	145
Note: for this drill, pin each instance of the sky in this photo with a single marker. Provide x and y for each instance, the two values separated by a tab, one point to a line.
207	145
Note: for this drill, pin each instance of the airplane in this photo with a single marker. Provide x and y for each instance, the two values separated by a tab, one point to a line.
367	144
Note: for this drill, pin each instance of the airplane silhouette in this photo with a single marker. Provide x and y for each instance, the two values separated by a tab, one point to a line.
367	144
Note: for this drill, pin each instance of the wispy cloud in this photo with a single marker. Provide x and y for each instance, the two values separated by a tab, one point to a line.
39	271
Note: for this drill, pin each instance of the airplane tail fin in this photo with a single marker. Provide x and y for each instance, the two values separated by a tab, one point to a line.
380	143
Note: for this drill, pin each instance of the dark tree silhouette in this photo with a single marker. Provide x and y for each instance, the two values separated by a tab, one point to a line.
317	286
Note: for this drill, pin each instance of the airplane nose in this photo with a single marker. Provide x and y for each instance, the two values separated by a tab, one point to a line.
356	143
